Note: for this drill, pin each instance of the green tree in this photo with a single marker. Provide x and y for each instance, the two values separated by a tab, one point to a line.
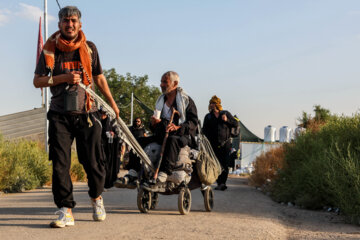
121	88
322	115
304	119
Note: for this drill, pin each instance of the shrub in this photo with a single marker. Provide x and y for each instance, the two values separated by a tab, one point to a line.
77	171
266	167
323	169
344	182
302	180
23	165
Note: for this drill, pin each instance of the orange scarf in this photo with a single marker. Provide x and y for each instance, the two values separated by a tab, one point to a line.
56	41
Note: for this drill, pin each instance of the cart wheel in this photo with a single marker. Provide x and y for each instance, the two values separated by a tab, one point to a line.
154	200
143	200
184	201
208	199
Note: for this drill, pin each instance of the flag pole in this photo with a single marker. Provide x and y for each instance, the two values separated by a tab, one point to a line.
46	89
132	109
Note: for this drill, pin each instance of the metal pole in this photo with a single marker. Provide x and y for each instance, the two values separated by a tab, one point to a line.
42	98
42	90
132	108
46	90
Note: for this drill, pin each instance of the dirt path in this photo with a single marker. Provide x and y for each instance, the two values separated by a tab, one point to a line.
241	212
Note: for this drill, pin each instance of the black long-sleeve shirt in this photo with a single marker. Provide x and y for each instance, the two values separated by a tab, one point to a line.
217	130
188	128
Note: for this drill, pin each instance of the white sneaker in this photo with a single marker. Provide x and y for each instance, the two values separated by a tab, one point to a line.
65	219
99	213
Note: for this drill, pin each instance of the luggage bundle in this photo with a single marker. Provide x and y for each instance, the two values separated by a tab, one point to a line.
207	164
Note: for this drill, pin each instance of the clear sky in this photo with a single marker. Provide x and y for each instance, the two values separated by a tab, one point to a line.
267	60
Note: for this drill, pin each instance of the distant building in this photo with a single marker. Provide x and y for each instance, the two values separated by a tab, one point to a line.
27	124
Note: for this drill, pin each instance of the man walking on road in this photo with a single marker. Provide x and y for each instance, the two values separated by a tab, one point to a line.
66	60
217	127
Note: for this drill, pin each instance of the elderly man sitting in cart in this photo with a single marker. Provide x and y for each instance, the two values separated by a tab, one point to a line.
174	125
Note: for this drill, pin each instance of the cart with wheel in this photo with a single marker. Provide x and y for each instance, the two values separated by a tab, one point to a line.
181	182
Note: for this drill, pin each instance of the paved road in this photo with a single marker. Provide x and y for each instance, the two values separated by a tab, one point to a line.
241	212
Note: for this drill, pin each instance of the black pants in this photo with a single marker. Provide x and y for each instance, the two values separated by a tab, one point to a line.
223	153
172	148
63	128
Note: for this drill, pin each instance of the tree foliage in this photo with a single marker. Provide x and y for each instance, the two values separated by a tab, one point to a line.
304	119
322	115
121	88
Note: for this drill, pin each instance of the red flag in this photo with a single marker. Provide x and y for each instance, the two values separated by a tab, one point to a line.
40	43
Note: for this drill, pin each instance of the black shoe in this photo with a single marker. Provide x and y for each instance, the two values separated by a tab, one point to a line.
127	181
223	187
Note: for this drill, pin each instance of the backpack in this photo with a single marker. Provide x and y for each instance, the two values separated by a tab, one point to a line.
235	131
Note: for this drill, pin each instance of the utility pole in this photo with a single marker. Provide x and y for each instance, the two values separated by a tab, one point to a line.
46	90
132	108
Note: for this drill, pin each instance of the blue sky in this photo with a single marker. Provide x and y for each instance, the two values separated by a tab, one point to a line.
267	60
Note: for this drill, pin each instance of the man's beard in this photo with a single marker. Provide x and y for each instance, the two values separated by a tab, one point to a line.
168	90
64	36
